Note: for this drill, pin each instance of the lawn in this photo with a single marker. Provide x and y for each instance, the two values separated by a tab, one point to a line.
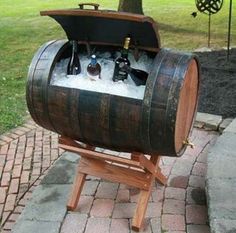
22	31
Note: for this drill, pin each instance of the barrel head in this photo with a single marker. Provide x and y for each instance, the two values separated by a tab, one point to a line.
187	105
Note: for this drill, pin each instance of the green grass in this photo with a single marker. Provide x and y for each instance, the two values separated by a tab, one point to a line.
22	31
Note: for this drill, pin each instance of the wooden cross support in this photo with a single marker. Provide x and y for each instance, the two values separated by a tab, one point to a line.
116	169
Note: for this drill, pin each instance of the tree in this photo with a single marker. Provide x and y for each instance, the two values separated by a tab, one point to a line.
133	6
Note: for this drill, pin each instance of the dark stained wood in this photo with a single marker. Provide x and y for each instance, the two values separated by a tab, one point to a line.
161	102
157	125
39	79
143	30
81	5
100	13
119	45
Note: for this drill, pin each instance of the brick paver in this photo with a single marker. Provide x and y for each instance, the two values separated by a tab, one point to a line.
74	223
102	208
173	222
27	153
22	156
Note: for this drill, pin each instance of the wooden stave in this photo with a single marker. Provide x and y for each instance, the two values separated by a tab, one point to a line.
38	79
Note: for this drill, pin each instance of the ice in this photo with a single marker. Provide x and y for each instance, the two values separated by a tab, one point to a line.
82	81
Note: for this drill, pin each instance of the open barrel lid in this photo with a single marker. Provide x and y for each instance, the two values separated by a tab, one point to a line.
107	27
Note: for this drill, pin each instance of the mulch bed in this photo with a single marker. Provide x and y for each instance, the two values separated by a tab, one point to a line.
218	83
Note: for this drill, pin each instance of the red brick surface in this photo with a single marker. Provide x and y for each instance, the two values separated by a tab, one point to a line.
173	222
119	225
85	204
21	167
196	214
122	195
172	206
27	153
98	225
102	208
175	193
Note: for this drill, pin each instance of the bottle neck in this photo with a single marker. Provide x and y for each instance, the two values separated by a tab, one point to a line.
124	53
125	50
93	61
74	46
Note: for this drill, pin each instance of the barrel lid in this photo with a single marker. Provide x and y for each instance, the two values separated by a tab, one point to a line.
107	27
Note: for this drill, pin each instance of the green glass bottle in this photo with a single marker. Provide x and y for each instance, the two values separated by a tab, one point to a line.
120	74
74	67
138	76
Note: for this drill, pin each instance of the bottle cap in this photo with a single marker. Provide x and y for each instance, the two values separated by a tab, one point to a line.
127	41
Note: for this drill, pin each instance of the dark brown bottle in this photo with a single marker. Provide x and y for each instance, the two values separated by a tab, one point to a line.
120	74
138	76
74	67
94	68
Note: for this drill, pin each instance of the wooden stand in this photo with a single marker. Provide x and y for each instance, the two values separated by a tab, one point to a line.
112	168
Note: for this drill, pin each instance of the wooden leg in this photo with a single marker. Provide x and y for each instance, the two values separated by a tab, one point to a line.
145	194
76	190
141	209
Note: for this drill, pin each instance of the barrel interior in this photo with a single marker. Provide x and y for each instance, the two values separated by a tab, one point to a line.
114	51
187	105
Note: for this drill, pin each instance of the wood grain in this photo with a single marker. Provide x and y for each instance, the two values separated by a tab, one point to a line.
115	173
187	105
100	156
144	196
76	190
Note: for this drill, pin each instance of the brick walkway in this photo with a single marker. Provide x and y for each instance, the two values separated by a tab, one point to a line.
27	152
180	207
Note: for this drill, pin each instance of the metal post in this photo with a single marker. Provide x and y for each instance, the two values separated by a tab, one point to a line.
209	31
229	29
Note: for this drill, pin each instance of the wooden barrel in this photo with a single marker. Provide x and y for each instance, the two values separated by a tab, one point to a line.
158	124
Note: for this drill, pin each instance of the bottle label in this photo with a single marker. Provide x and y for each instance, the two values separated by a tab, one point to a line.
122	73
119	74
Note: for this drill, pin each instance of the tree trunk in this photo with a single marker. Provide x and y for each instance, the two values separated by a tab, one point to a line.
133	6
